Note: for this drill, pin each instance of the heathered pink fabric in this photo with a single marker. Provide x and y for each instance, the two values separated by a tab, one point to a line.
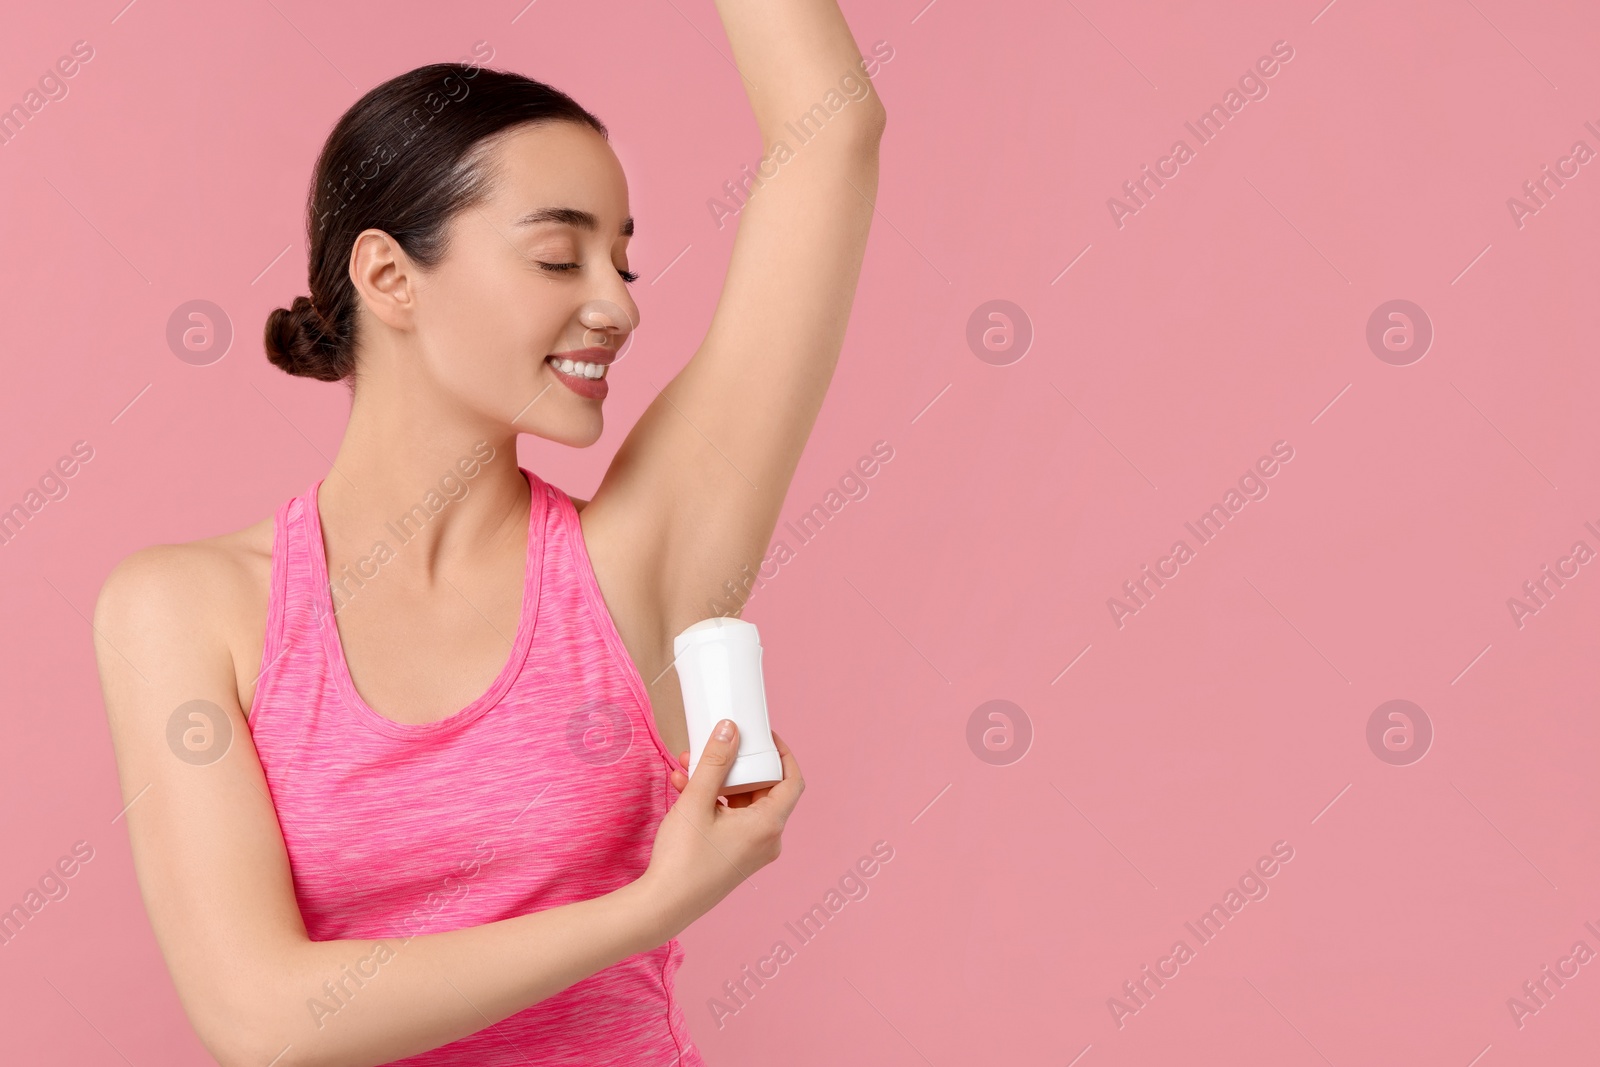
546	790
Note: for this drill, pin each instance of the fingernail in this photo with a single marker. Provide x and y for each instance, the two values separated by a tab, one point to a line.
724	730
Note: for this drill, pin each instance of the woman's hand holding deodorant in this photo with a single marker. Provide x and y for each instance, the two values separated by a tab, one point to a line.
736	800
728	820
704	848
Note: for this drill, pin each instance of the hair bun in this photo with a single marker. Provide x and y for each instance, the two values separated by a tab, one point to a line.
297	341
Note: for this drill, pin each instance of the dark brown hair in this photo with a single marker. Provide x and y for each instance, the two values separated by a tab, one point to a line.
402	160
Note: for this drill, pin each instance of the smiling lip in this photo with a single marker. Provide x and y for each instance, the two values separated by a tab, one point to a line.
592	388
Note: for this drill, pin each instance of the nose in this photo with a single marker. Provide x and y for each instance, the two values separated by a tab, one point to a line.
607	325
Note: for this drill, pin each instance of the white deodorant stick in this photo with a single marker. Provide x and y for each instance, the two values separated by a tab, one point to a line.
719	669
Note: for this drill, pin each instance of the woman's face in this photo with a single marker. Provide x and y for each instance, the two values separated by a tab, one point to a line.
536	269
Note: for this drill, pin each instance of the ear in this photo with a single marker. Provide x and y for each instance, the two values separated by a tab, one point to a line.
384	277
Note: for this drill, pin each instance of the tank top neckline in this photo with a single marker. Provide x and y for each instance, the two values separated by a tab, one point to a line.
333	646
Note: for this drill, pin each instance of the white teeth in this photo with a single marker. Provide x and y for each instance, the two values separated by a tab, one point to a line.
579	369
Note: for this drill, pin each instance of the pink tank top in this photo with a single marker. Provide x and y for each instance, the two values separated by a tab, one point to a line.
546	790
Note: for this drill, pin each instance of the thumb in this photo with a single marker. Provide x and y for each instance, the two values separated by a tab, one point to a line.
722	748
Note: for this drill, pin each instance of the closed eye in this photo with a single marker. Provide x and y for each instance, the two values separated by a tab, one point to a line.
627	275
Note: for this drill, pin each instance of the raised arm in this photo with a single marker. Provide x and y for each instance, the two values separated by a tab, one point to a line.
216	880
707	467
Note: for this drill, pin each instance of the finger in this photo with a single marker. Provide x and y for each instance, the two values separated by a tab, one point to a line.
711	772
748	797
786	793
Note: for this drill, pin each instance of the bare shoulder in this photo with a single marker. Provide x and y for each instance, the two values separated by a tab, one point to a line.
207	596
198	576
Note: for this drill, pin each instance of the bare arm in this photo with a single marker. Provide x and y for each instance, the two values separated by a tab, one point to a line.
710	461
216	880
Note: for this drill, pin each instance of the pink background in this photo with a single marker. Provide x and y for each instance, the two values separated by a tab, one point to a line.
1227	314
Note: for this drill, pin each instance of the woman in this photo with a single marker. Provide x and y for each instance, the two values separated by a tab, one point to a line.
451	828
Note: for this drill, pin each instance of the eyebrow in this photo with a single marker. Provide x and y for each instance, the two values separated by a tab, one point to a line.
570	216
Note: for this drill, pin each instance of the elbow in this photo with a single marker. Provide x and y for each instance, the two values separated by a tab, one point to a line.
230	1046
852	130
239	1042
253	1009
252	1028
867	125
243	1050
854	141
877	117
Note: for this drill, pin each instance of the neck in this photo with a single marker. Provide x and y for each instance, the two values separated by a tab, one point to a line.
441	482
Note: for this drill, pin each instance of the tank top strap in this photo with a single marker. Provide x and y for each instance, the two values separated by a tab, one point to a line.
291	604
